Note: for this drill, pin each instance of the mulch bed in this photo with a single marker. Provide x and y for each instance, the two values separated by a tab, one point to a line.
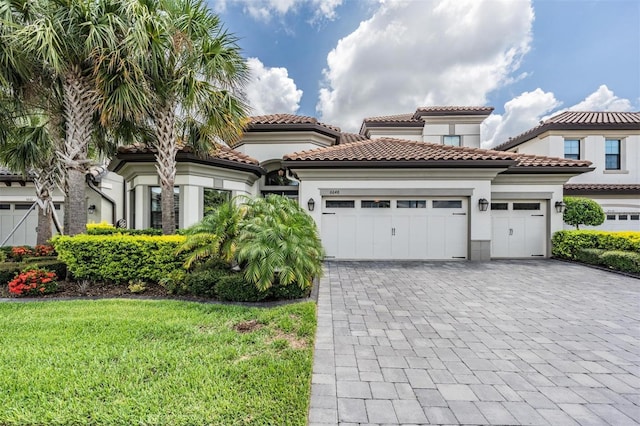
69	289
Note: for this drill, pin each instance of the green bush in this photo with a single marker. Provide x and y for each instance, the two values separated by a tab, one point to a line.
291	291
3	256
582	211
235	288
120	258
175	282
203	282
566	244
124	231
622	261
590	255
8	271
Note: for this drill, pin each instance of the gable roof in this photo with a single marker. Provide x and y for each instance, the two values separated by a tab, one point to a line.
222	156
391	152
576	120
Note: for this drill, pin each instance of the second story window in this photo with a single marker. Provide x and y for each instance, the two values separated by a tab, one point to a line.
612	154
572	149
451	140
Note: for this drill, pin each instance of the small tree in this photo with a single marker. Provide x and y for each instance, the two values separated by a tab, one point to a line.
582	211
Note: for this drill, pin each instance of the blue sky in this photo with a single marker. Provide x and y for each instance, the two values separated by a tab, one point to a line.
343	60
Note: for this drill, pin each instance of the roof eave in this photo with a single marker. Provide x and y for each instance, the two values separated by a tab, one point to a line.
548	170
300	127
122	158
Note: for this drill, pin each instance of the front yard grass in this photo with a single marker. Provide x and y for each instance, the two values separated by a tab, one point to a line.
154	362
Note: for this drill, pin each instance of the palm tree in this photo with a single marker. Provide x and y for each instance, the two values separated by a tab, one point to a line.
194	70
72	46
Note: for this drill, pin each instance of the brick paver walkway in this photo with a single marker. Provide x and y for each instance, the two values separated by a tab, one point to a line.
505	342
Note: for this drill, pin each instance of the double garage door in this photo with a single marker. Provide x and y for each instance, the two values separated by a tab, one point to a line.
395	228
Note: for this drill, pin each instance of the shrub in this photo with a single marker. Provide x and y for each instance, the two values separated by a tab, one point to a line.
3	256
54	265
235	288
137	287
44	250
566	244
104	228
33	281
120	258
203	282
582	211
590	255
291	291
622	260
7	272
20	252
175	282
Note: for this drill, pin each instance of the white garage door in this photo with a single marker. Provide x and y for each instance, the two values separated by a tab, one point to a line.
11	214
367	228
519	229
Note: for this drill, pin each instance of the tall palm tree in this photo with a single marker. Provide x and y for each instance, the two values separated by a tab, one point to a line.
194	72
73	45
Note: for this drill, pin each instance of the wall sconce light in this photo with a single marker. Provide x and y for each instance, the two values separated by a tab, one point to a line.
311	204
560	206
483	204
91	209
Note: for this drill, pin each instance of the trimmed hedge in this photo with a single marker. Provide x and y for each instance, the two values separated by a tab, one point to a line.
235	288
589	255
566	244
120	258
625	261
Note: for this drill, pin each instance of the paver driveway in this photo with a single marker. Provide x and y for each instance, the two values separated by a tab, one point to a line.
505	342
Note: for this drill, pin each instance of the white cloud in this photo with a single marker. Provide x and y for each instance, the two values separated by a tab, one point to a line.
520	114
603	99
527	110
411	54
271	90
264	10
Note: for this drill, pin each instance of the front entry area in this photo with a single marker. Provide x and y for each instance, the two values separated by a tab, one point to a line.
395	228
519	229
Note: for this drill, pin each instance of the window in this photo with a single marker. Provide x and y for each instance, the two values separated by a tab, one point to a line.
622	217
340	204
612	154
156	206
278	178
375	204
5	206
572	149
634	217
22	206
214	198
611	217
441	204
526	206
411	204
499	206
451	140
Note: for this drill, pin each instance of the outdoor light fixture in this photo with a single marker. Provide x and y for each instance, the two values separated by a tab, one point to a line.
311	204
483	204
91	209
560	206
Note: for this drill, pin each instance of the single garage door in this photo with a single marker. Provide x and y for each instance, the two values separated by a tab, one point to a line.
11	214
417	228
519	229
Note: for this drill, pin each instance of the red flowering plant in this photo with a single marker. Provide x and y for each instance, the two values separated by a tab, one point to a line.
19	252
44	250
33	281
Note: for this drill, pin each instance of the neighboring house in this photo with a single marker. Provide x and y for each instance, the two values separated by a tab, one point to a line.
19	215
611	141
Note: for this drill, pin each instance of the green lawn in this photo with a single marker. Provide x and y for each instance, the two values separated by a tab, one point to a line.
125	362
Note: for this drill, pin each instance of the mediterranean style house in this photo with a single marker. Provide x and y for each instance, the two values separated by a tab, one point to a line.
611	141
411	186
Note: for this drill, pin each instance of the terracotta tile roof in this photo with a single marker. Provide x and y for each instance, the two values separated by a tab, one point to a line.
272	119
398	118
577	120
222	152
603	187
452	110
351	137
399	150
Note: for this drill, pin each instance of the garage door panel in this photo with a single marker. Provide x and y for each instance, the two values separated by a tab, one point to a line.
395	228
519	229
